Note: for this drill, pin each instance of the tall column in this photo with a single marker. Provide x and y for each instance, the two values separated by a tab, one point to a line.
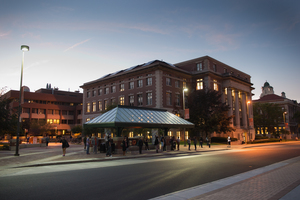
237	109
229	99
244	110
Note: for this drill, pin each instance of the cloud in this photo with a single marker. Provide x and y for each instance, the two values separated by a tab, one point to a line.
37	63
75	45
5	34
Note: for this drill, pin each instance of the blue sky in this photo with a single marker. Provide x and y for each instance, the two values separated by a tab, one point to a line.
73	42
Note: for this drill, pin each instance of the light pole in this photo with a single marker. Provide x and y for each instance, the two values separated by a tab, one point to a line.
183	106
23	48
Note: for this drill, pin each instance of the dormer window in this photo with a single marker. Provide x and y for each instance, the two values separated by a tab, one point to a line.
199	67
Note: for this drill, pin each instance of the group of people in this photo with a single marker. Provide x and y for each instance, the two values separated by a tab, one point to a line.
200	142
90	142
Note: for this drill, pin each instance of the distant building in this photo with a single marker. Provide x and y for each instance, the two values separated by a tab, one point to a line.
289	107
158	84
62	109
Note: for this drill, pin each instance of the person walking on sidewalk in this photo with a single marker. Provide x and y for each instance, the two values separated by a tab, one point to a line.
195	143
189	143
201	142
108	144
156	143
178	143
64	145
84	142
208	142
95	144
162	139
124	146
229	141
88	142
146	144
140	144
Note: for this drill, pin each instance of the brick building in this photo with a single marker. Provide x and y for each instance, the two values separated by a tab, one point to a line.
62	109
158	84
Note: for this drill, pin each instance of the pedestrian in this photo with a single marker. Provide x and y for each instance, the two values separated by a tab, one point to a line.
162	142
146	144
64	145
189	143
178	143
156	143
108	145
140	144
47	141
28	140
201	142
124	146
229	141
95	144
208	142
84	142
88	142
195	143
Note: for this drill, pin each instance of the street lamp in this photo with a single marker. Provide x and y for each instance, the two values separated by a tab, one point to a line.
23	48
183	106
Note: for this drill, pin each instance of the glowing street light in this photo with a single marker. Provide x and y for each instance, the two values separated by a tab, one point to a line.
183	106
23	48
248	115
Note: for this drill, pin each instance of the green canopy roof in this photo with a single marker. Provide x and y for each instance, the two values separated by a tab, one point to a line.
129	116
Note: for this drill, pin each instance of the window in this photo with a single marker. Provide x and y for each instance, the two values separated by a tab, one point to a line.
88	94
215	67
121	100
183	84
71	112
177	99
100	105
121	87
99	91
168	81
106	90
131	85
113	101
78	112
199	84
113	89
57	112
199	67
88	107
215	85
50	112
94	93
140	99
42	111
225	70
149	81
169	98
26	110
94	106
35	110
177	84
64	121
149	98
105	105
140	83
131	100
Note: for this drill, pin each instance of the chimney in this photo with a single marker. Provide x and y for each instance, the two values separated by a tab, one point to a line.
283	94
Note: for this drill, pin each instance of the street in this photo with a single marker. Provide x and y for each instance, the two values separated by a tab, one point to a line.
139	178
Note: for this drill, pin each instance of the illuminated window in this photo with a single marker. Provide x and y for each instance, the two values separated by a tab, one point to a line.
169	133
88	107
215	85
130	134
186	135
121	87
177	134
121	100
94	106
100	105
88	119
199	84
105	105
183	84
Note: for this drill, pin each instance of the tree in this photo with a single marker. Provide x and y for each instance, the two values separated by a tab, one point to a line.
8	118
39	128
267	115
77	129
208	113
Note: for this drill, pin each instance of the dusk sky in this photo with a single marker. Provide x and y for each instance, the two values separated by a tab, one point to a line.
73	42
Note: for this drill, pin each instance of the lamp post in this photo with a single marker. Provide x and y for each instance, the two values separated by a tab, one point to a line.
183	106
23	48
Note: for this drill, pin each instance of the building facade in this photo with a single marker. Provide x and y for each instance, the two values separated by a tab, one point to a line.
158	84
289	108
61	109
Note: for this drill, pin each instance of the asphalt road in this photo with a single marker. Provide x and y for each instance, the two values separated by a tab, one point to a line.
139	178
